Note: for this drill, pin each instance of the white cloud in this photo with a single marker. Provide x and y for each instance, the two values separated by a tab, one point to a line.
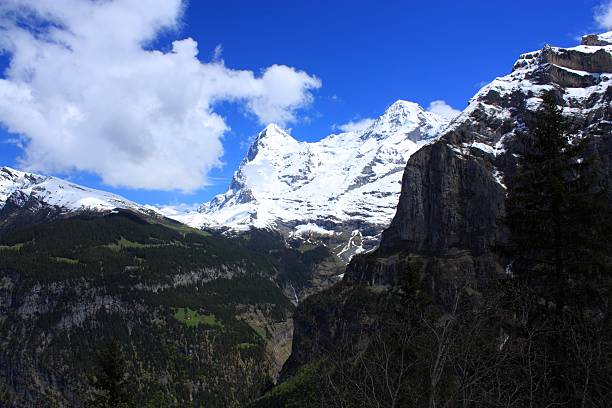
443	109
603	15
279	92
355	126
86	92
218	52
169	210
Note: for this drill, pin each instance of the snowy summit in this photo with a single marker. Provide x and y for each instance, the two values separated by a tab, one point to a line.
345	184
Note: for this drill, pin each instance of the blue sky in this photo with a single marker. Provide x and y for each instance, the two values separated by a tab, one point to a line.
357	57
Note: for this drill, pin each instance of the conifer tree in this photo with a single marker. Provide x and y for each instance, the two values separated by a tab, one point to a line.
558	216
112	378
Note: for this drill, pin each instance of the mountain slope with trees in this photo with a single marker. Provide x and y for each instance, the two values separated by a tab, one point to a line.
198	318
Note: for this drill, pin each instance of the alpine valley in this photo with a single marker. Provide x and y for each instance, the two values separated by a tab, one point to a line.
246	301
82	267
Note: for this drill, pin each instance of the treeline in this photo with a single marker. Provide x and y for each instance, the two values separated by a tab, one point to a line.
233	383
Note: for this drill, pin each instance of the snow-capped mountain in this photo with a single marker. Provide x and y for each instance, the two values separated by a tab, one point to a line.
342	189
581	76
346	186
18	188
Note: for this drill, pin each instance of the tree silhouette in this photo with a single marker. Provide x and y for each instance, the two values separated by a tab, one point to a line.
557	212
112	380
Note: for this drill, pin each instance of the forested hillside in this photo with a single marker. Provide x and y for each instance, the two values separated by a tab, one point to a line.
199	318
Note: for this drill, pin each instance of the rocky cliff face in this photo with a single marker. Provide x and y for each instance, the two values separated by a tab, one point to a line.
446	227
453	191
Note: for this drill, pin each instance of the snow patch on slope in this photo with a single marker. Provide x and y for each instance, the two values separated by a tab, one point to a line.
59	193
344	177
495	105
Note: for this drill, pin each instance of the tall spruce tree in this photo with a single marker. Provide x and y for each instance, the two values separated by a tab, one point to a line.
557	213
112	379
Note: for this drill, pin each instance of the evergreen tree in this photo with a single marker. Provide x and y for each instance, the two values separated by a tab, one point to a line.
559	218
112	378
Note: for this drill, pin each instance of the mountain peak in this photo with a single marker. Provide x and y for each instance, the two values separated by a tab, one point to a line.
408	118
344	187
273	131
9	172
600	40
272	136
403	105
273	127
403	111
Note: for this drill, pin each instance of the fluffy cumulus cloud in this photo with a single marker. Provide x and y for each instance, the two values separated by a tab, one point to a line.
603	15
86	91
355	126
443	109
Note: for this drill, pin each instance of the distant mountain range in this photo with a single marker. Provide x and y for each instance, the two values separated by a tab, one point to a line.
18	187
341	191
27	199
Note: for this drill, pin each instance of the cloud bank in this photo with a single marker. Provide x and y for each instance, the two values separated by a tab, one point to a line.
86	91
443	109
356	125
603	15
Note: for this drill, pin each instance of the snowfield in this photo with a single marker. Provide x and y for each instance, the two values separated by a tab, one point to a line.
317	187
21	186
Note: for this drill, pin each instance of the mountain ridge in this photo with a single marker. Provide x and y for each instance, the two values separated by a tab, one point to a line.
322	200
60	193
341	187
